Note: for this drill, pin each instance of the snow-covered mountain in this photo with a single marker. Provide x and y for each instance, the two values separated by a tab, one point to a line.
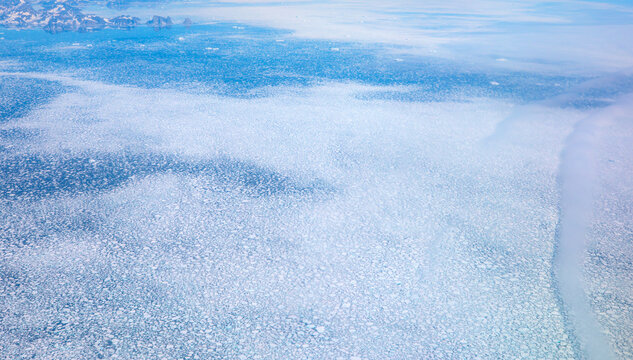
65	15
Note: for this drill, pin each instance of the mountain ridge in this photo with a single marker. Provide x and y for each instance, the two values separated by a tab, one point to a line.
65	15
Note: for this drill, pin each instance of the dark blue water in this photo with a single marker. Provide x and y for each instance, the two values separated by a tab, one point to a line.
19	95
33	177
249	58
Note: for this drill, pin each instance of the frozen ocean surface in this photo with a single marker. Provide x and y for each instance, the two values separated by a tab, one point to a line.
310	180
